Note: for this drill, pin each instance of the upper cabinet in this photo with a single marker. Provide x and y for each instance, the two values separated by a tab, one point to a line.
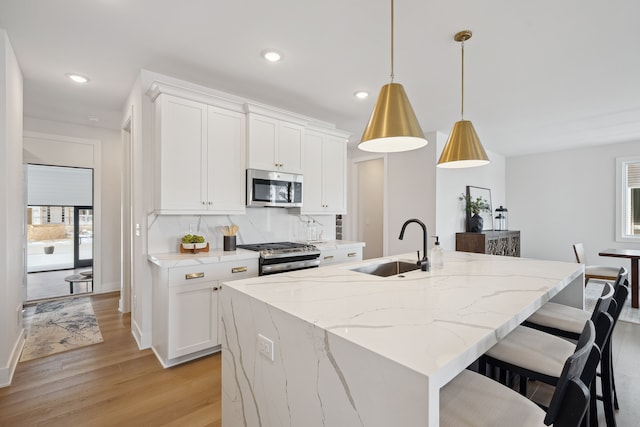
274	144
325	172
204	143
200	162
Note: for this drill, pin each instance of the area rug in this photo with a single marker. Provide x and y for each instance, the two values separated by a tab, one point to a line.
58	326
594	290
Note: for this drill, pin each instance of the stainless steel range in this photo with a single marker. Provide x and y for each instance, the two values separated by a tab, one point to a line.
284	256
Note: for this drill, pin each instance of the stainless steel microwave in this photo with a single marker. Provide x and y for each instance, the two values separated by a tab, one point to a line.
273	189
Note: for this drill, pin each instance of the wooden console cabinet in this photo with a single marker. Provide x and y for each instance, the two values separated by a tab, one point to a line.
490	242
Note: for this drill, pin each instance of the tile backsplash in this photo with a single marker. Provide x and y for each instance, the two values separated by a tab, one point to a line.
257	225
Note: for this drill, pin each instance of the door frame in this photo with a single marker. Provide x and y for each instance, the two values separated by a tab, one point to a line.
77	262
59	150
353	199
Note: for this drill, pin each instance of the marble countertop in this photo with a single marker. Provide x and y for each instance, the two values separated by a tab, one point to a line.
435	323
176	259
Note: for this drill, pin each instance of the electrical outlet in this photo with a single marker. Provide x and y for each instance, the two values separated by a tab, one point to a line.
265	346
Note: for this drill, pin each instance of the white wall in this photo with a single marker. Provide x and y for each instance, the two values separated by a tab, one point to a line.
452	183
64	144
12	228
138	110
560	198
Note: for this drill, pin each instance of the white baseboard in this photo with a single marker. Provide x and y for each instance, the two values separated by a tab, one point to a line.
6	372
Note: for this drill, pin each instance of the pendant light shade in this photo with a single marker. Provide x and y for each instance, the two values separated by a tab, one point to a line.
463	148
393	125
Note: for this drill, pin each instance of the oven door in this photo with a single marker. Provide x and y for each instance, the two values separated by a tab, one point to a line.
292	263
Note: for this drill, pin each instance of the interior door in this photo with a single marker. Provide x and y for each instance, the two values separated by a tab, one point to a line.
82	236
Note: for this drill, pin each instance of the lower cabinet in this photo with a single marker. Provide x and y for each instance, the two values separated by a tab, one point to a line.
193	318
185	314
337	256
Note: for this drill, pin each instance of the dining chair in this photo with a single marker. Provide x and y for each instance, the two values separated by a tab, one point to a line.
471	399
599	272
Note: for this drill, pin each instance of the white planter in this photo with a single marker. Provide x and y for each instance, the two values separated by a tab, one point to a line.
194	245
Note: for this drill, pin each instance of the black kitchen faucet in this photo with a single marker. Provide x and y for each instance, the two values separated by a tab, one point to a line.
424	262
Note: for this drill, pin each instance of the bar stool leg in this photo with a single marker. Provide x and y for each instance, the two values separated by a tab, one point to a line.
607	386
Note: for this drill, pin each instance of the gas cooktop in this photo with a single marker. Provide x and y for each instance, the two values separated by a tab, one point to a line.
280	248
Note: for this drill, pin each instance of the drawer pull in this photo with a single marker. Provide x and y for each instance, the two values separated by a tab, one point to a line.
194	276
352	254
328	257
215	288
239	269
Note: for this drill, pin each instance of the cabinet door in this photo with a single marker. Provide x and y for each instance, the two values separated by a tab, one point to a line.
289	146
263	133
226	160
334	175
182	127
312	185
193	318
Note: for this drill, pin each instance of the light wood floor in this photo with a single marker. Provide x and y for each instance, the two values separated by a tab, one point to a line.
112	384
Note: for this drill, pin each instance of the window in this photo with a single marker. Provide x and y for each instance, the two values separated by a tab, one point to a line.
628	199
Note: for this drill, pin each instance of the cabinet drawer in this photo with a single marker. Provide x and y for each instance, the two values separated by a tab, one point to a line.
180	276
336	256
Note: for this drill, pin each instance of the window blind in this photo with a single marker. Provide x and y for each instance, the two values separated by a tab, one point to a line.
633	175
59	186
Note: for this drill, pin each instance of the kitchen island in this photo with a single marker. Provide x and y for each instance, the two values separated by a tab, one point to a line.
336	347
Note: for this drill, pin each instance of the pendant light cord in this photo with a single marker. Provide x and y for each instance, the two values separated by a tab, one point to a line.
462	100
392	76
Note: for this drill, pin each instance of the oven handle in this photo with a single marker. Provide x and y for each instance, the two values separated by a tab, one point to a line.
289	266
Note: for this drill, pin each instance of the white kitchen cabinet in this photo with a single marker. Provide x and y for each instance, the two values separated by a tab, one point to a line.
226	146
193	314
325	173
274	145
185	312
201	157
340	255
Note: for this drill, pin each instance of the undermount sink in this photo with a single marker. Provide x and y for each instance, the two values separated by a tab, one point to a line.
387	269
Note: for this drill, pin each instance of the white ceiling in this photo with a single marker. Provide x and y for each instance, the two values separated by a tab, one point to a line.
539	75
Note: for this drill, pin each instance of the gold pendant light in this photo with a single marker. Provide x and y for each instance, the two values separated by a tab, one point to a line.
463	148
393	125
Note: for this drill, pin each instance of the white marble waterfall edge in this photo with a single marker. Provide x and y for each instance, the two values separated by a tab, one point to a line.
316	379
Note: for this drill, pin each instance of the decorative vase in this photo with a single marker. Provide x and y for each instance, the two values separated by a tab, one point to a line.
475	224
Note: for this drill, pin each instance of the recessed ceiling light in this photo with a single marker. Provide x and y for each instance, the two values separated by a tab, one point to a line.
271	55
361	94
77	78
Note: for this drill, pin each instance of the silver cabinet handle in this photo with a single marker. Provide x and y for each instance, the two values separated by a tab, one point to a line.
194	276
239	269
352	254
328	257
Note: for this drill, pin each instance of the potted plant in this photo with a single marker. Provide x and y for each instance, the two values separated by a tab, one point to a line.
49	235
473	207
